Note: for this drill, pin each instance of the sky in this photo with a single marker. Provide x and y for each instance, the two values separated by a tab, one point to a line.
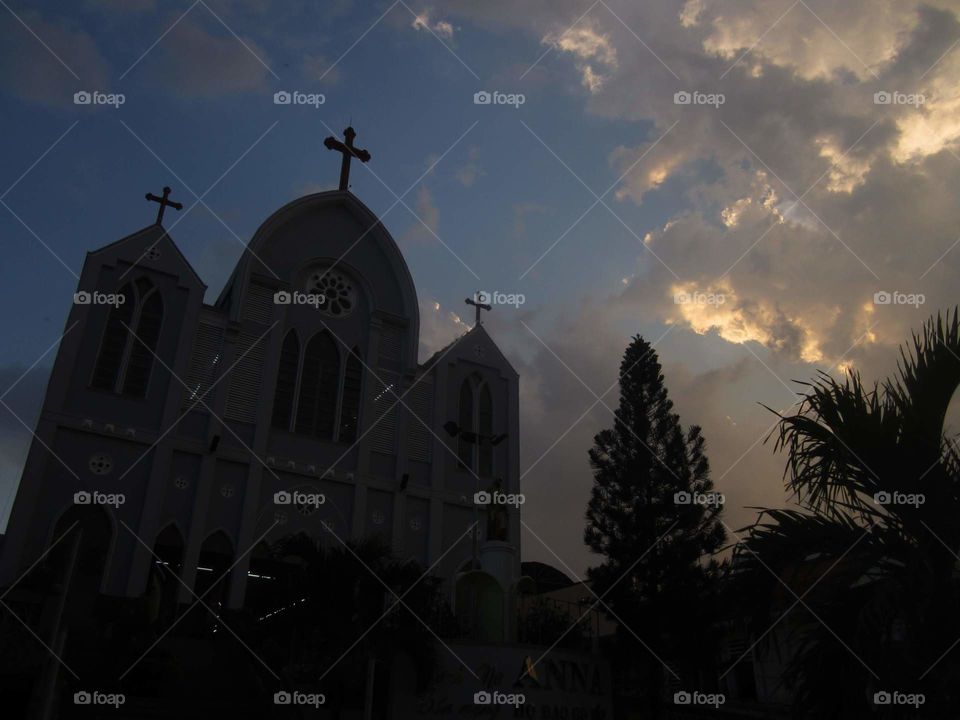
764	189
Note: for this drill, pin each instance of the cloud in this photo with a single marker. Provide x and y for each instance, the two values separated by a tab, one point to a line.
595	55
442	28
196	63
50	75
429	217
319	68
799	198
438	327
468	173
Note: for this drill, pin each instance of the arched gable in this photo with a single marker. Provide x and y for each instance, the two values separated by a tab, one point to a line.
333	227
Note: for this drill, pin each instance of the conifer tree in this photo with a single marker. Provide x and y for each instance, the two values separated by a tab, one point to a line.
655	520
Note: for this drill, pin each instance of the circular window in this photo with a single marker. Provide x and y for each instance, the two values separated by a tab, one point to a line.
100	464
280	518
339	291
153	253
306	508
226	491
416	523
180	482
378	518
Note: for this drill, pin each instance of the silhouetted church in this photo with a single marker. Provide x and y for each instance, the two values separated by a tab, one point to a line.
220	426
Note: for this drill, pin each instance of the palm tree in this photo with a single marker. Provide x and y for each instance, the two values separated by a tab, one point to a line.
868	563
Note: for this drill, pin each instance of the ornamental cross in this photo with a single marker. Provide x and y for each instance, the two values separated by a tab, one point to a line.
479	304
348	151
164	202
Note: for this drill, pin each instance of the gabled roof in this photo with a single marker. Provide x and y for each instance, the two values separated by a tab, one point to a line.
154	233
477	331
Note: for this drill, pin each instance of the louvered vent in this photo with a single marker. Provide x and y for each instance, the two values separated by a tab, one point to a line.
390	339
258	305
385	392
419	437
244	390
204	365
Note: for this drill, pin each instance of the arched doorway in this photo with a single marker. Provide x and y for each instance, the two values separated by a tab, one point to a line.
164	584
212	584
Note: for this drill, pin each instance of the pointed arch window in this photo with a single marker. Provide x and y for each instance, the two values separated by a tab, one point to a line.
319	383
286	388
129	341
318	393
350	397
485	428
475	418
465	421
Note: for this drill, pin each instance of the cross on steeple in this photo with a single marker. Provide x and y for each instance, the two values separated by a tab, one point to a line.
164	201
348	151
478	304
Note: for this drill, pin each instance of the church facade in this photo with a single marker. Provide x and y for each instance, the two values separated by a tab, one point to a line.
195	435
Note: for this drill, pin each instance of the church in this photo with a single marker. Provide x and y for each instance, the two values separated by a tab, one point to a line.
196	435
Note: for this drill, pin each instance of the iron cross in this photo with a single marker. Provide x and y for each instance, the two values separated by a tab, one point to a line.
478	304
348	151
164	201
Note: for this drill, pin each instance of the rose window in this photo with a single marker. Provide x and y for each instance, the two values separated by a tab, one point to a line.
339	291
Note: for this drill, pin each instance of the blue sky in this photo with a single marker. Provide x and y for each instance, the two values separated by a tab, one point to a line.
703	199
